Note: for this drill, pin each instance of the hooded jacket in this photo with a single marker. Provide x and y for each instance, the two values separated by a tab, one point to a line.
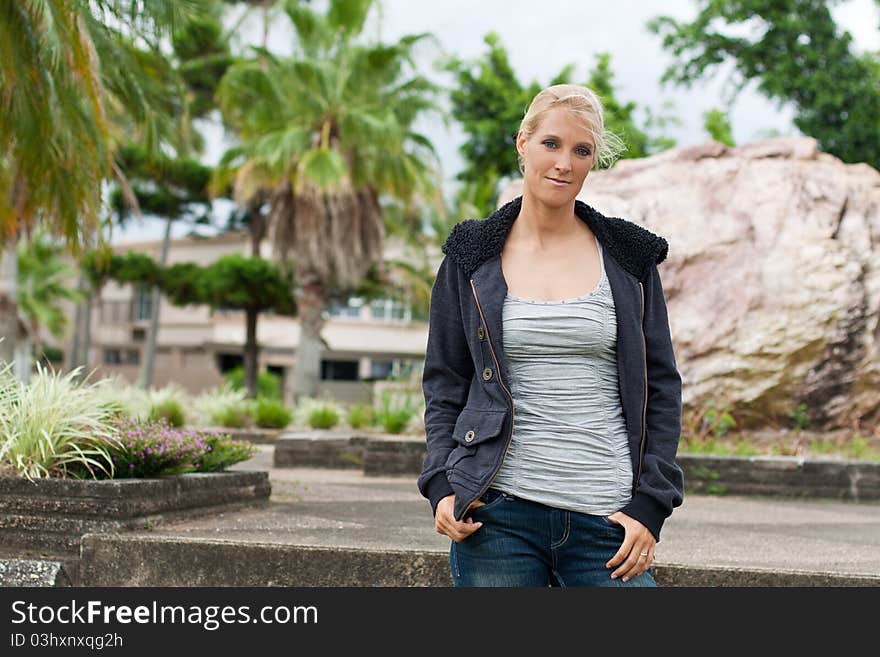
469	410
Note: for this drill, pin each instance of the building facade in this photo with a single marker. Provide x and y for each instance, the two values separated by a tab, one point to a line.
365	341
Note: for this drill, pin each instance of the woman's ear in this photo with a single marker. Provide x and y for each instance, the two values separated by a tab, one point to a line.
520	143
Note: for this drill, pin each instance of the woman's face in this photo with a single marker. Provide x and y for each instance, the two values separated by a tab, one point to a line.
557	158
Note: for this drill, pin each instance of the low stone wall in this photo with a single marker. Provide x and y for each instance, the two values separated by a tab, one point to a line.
250	434
786	476
781	476
51	515
126	560
320	449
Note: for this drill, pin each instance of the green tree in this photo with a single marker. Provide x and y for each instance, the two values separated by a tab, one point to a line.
329	131
796	54
172	188
67	68
489	101
252	285
43	276
717	124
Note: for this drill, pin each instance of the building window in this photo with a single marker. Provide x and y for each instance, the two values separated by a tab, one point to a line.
381	369
143	303
116	311
339	370
390	310
349	310
132	357
394	368
112	357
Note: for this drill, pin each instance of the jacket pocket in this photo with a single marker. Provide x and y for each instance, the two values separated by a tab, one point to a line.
473	428
477	426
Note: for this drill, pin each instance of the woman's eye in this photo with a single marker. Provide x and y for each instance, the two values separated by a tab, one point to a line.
549	143
584	152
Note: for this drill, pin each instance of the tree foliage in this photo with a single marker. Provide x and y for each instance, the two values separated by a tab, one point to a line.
490	101
67	68
796	54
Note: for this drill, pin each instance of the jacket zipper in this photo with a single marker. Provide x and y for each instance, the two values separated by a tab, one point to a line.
510	396
645	399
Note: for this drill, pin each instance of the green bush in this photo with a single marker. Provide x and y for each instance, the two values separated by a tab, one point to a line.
223	452
272	414
323	416
268	384
222	406
234	416
170	410
155	449
53	424
360	416
393	416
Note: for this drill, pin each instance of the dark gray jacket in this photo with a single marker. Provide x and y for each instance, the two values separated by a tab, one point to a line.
469	410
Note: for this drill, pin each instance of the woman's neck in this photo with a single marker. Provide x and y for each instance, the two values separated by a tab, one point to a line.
540	224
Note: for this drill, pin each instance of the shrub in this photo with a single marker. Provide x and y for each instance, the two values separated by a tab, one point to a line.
153	449
222	452
323	415
360	416
233	417
799	418
222	406
169	410
150	449
123	399
272	414
394	416
268	384
53	424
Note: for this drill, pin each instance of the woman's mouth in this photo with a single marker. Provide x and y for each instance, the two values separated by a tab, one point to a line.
557	182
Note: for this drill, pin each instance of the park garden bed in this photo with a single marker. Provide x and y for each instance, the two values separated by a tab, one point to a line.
50	516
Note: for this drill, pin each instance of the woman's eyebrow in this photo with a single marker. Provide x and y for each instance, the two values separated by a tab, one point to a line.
583	143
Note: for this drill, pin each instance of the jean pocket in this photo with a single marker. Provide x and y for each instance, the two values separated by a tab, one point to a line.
491	498
610	523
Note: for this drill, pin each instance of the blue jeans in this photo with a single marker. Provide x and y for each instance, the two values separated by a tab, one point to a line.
524	543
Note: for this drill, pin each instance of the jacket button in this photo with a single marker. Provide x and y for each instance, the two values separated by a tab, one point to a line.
481	333
487	374
469	436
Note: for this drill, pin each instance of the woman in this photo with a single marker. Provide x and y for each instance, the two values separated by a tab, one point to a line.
553	401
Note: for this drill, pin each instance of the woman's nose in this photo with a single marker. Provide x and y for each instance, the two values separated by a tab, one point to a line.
563	163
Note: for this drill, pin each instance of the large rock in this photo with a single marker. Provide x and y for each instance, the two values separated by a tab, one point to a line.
773	274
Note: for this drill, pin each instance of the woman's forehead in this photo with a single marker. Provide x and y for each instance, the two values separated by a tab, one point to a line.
559	122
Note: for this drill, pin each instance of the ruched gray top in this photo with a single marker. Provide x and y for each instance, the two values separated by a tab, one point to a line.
569	448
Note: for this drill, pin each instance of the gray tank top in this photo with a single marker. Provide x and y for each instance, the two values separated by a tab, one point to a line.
569	448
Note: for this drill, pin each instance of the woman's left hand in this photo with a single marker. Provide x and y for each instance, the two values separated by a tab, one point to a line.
636	553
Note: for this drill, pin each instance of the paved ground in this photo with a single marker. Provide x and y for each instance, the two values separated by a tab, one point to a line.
344	508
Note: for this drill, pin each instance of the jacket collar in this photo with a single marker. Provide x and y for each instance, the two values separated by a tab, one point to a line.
474	241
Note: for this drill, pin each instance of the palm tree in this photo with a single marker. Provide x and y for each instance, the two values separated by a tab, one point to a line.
66	68
329	131
43	283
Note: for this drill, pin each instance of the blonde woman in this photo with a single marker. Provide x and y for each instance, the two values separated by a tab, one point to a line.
553	400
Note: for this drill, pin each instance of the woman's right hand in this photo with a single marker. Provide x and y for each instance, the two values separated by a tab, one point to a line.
445	522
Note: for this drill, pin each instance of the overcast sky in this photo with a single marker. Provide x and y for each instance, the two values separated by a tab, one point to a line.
541	38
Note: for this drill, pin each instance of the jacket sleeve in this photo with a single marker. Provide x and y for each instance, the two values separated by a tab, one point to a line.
446	380
660	487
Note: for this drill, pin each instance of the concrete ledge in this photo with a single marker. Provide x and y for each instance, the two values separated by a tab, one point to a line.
256	435
786	476
37	572
138	560
320	449
783	476
52	514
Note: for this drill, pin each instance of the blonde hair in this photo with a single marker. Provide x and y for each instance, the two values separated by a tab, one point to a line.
585	106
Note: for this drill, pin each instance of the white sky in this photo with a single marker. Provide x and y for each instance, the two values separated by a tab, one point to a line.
541	38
